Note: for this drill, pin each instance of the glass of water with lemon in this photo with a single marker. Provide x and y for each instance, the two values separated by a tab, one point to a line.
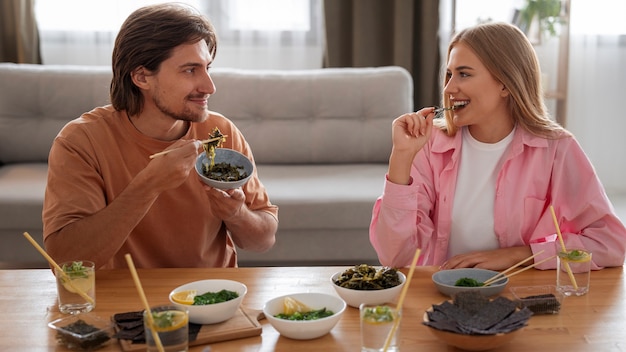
573	272
171	326
377	323
76	286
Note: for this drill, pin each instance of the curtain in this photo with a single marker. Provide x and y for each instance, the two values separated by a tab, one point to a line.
362	33
19	37
252	34
597	84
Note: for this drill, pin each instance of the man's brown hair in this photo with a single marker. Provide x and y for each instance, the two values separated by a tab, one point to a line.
146	39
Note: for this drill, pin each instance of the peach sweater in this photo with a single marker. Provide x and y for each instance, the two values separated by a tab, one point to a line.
95	156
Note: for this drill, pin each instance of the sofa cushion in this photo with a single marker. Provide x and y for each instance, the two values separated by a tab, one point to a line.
35	105
22	188
21	201
324	196
325	116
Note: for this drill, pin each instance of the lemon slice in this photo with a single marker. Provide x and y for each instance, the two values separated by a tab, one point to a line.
184	297
292	305
81	284
169	320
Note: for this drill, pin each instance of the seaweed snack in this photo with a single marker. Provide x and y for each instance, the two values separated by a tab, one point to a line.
216	140
224	172
130	327
366	277
468	282
472	314
542	304
81	336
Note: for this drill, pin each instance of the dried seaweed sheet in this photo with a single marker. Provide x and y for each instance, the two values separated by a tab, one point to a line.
471	314
542	304
130	327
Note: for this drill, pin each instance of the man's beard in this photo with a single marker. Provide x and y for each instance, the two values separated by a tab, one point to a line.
185	115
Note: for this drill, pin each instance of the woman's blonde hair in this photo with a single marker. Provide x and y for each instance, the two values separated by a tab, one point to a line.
511	59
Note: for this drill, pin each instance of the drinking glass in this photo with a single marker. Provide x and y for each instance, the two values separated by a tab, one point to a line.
171	323
573	272
376	323
76	286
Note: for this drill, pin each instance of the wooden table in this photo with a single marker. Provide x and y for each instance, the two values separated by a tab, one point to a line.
594	322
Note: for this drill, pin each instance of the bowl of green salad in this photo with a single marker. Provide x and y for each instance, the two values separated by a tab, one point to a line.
452	281
304	316
209	301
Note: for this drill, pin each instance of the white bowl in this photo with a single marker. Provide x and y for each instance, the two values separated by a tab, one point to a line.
229	156
305	329
445	279
354	298
212	313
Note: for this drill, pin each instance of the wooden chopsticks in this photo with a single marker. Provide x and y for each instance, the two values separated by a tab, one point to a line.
503	274
203	142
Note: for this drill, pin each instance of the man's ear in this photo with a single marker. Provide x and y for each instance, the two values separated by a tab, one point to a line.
139	77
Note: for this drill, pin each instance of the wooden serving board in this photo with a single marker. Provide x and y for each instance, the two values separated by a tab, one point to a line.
245	323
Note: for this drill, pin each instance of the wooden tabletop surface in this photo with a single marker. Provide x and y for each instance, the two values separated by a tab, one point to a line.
594	322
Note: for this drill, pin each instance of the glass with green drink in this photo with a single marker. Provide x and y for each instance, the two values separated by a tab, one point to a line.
76	286
573	272
170	324
377	323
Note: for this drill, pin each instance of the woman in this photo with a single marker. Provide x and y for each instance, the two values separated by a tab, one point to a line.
474	189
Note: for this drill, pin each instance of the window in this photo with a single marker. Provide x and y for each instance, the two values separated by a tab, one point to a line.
599	17
272	34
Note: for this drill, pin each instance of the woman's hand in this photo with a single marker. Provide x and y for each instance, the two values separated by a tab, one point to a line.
411	131
497	259
409	134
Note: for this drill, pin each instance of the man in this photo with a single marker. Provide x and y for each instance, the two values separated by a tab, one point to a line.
105	197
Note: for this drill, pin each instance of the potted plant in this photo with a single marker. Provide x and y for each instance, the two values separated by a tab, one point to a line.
539	17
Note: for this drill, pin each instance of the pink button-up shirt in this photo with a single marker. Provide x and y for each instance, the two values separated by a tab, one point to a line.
535	173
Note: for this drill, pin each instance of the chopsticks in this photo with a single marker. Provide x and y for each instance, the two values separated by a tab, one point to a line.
144	300
396	321
500	276
202	142
58	269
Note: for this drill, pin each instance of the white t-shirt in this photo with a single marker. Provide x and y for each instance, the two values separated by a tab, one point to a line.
472	211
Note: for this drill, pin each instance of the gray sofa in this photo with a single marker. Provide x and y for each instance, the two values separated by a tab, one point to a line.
321	139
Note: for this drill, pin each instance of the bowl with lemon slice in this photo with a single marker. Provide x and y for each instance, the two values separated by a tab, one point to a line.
304	316
209	301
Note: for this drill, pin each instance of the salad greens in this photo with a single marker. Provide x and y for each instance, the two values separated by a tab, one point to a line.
310	315
75	270
468	282
214	297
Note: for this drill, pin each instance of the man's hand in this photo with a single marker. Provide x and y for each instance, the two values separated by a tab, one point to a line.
225	204
172	169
